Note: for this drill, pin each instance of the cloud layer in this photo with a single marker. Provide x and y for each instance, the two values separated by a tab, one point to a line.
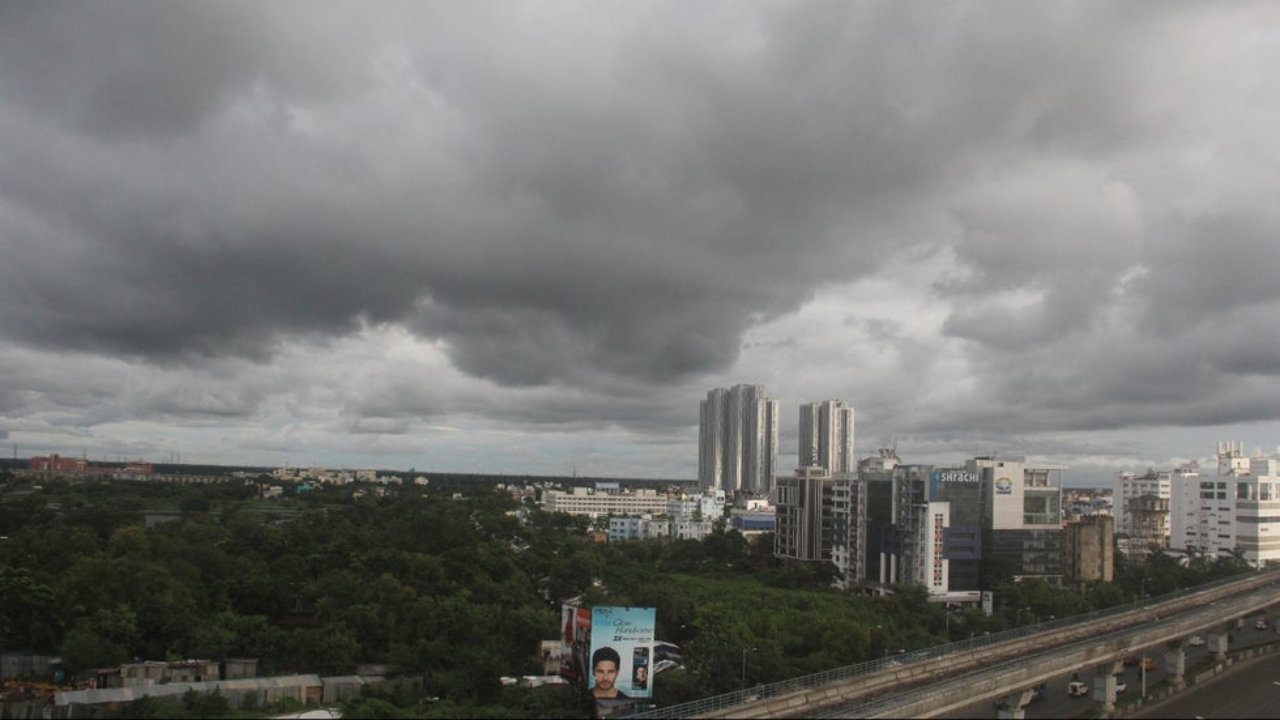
496	234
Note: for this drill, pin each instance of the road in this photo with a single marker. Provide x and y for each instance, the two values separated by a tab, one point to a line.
1056	703
1251	690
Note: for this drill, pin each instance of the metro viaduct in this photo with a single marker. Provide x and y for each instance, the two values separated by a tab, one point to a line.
934	682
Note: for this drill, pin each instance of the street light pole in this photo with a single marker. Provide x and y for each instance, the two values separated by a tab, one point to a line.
1144	676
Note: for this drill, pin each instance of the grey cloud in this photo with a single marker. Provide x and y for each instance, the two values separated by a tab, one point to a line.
589	206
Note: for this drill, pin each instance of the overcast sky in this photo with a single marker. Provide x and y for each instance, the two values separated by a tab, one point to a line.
529	237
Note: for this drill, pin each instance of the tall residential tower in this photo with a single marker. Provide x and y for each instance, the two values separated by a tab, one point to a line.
738	440
826	436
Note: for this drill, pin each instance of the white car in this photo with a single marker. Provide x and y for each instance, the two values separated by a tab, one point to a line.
1195	641
1121	687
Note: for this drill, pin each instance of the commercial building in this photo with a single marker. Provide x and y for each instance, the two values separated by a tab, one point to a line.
826	436
738	440
894	523
876	475
821	516
1236	511
805	515
594	503
1021	515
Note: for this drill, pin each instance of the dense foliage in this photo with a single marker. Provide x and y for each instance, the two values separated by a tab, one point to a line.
460	588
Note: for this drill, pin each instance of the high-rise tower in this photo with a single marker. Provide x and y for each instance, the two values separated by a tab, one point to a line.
738	439
826	436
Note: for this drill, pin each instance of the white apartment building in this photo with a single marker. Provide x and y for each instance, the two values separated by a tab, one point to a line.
826	436
738	440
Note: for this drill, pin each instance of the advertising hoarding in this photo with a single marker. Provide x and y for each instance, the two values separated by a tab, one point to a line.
621	663
576	624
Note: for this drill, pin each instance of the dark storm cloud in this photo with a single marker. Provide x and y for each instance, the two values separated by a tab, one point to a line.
590	206
625	205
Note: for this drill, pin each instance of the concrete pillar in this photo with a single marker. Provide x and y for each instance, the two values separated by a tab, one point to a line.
1014	707
1216	643
1104	691
1175	663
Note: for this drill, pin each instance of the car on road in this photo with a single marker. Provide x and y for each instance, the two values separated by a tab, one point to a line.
1148	663
1261	624
1131	661
1122	687
1075	688
1195	641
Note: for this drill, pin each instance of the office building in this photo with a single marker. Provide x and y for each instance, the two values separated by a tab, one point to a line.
805	515
595	503
738	440
1236	511
876	475
1021	515
826	436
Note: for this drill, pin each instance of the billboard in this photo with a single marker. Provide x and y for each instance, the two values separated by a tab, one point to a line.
621	653
576	638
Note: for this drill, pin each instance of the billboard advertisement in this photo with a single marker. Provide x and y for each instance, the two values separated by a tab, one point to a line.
621	653
576	624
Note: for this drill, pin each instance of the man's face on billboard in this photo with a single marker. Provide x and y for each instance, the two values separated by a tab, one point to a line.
606	673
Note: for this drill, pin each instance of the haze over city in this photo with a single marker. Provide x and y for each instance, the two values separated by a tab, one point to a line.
529	237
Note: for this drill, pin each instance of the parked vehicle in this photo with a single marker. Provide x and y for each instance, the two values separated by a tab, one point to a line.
1131	661
1195	641
1122	687
1075	688
1261	624
1148	663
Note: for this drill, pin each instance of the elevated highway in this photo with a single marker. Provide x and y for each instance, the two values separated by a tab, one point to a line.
938	680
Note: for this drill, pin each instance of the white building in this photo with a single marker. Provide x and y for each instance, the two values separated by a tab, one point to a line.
709	505
738	440
586	501
1239	508
1128	487
686	518
826	436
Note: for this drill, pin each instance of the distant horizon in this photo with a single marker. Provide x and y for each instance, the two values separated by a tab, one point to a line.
22	462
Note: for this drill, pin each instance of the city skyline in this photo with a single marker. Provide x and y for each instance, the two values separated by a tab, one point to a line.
526	238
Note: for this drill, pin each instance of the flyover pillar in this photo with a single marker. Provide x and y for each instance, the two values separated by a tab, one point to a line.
1104	688
1175	663
1014	707
1216	643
